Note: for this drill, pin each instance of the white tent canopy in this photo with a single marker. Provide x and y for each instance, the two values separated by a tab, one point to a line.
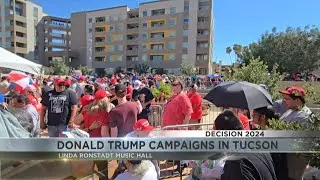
13	61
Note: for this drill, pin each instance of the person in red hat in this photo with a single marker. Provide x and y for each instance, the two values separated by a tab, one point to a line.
61	106
95	120
141	128
294	100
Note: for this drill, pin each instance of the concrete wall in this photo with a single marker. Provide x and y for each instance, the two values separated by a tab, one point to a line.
79	37
31	27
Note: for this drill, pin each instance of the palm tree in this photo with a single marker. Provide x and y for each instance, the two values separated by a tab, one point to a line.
228	51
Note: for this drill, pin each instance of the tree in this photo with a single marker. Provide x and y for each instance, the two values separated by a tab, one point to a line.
187	69
46	70
118	70
294	50
141	68
60	68
228	51
160	71
85	69
256	71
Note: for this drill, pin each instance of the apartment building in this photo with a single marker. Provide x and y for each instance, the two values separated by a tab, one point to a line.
162	34
53	41
19	19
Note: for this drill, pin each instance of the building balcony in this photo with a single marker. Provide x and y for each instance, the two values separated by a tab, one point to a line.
57	44
101	33
133	20
20	39
133	31
100	43
58	35
133	41
22	50
202	37
62	26
202	50
203	25
133	52
20	29
99	53
22	19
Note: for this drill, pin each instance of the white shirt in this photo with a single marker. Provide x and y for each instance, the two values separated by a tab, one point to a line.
151	174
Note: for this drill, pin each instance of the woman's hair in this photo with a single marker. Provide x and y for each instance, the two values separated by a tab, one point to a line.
227	120
100	105
89	89
267	112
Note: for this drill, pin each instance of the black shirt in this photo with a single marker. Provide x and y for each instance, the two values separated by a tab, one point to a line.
59	106
148	97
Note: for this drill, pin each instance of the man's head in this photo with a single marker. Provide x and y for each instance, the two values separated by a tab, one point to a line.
143	128
227	120
137	85
19	101
193	88
177	87
59	84
293	97
120	90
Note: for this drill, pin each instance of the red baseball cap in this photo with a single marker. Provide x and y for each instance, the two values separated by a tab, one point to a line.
59	81
100	94
294	90
86	99
142	125
68	82
82	78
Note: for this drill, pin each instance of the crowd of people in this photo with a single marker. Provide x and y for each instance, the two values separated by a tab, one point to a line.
119	106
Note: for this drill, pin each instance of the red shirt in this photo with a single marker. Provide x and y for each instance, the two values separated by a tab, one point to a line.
176	110
196	101
89	118
245	121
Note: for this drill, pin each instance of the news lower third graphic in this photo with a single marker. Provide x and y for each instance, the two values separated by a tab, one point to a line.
196	145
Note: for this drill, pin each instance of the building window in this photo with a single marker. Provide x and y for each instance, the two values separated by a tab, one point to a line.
120	27
90	30
171	45
145	13
120	17
186	21
120	37
111	18
119	48
185	45
144	36
203	57
8	34
145	25
143	46
172	34
184	57
172	10
203	8
111	48
186	8
111	28
157	58
144	57
172	22
172	57
90	20
120	58
107	18
185	32
110	38
110	58
8	44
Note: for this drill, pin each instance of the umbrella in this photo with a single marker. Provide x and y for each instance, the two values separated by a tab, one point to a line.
239	94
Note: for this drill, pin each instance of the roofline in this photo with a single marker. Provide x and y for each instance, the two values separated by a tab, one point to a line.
58	18
35	3
151	2
124	6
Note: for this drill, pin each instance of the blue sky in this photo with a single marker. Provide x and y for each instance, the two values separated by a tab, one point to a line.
236	21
